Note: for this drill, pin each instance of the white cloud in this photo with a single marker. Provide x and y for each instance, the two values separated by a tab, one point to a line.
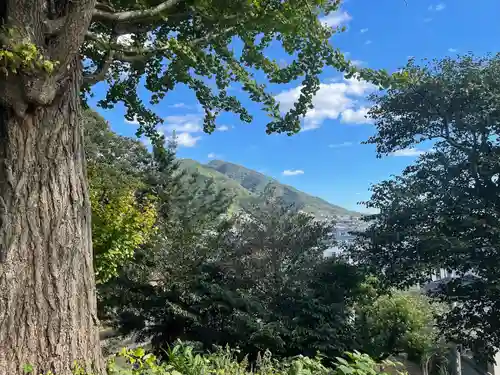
336	19
293	172
368	42
184	126
437	8
362	31
222	128
335	100
408	152
179	105
185	140
212	155
338	145
133	122
358	116
452	50
357	62
427	20
190	123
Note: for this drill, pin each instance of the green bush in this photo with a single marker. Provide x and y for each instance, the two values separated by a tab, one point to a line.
183	360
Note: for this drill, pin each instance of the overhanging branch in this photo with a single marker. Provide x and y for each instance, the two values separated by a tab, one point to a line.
131	16
100	73
131	55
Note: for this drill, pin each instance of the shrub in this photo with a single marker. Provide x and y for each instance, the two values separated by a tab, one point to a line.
183	360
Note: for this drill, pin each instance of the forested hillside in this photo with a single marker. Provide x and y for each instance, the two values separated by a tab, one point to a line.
247	185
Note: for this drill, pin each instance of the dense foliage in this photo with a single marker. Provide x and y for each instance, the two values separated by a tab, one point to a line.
255	279
209	46
182	359
398	323
443	211
261	282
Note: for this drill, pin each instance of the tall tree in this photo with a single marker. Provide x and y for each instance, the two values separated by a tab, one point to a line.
50	51
443	212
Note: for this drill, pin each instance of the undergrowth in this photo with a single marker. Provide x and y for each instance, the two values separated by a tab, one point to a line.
182	360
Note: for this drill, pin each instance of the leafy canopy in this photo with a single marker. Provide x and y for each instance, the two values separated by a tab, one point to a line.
397	323
443	212
208	45
120	222
257	282
124	212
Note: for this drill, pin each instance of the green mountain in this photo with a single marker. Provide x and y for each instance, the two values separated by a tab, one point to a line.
221	181
247	185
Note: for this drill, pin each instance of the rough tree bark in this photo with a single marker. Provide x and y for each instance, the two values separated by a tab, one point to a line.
47	290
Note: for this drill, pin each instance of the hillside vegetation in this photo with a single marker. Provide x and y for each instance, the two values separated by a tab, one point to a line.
247	186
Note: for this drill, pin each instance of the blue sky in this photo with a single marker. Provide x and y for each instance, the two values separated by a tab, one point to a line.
326	159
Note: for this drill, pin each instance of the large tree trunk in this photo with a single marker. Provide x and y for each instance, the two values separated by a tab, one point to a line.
47	291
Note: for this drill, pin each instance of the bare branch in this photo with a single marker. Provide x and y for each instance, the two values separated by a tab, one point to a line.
133	15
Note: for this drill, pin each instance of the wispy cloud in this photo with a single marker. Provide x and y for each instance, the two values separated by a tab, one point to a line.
357	62
362	31
339	145
336	19
452	50
427	19
179	105
190	123
336	100
213	155
368	42
408	152
222	128
293	172
437	7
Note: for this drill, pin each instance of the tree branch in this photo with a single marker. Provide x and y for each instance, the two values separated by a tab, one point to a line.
133	15
100	73
132	55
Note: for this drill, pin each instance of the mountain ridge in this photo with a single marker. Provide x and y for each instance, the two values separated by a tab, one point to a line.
247	184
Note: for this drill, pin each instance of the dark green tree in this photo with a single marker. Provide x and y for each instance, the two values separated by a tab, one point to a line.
443	212
260	283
